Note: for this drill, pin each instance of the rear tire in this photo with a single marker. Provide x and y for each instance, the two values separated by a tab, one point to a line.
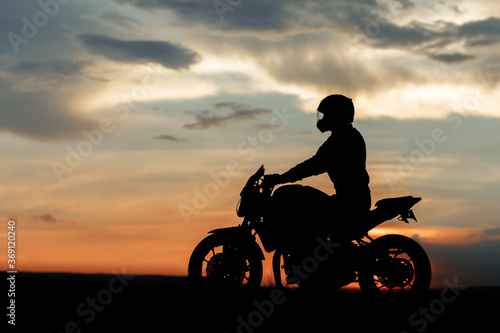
396	265
217	263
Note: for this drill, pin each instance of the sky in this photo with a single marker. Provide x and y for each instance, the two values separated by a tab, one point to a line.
128	127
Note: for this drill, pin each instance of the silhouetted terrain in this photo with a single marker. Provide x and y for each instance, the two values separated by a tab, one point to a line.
49	302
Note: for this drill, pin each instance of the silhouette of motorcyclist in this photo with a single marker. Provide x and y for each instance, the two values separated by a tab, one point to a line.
343	157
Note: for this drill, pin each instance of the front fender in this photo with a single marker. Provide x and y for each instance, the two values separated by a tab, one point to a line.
241	237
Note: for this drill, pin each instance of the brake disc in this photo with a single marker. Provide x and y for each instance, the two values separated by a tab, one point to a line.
399	272
226	271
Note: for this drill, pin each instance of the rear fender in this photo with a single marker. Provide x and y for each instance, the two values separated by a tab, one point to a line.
398	206
388	209
241	238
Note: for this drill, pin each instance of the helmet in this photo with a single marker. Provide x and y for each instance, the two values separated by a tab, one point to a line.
336	109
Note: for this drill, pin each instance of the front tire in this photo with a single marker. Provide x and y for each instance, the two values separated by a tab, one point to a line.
217	263
395	265
278	270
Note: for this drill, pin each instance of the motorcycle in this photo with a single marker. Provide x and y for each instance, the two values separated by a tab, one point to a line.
231	257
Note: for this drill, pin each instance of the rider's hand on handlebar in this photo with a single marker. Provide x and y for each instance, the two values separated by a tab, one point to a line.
272	180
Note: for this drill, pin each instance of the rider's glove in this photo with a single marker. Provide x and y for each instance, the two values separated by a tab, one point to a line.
272	180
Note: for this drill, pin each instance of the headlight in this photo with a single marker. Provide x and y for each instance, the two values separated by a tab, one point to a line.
238	207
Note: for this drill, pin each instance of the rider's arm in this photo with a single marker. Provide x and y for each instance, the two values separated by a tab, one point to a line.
316	165
310	167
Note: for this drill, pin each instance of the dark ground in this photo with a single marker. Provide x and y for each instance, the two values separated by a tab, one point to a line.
49	302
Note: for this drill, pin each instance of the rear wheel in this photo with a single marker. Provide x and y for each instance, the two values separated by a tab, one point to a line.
396	265
217	263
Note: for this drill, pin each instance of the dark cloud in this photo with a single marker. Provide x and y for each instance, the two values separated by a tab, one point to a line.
49	68
266	127
302	52
405	4
492	231
165	53
455	9
482	41
239	112
47	218
241	15
53	32
435	36
268	15
159	109
39	115
120	20
482	32
255	15
52	74
414	34
168	138
451	58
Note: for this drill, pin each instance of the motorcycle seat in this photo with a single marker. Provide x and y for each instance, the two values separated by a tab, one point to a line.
386	209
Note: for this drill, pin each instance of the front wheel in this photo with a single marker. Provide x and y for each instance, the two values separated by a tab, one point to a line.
217	263
395	265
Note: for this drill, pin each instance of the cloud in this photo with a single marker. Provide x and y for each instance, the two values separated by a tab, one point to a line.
451	58
266	127
167	54
168	138
481	32
257	15
47	218
43	75
270	16
319	61
336	62
49	68
120	20
436	36
408	36
159	109
40	115
492	231
240	112
305	42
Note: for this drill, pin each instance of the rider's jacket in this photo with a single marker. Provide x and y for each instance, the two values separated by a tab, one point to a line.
343	157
